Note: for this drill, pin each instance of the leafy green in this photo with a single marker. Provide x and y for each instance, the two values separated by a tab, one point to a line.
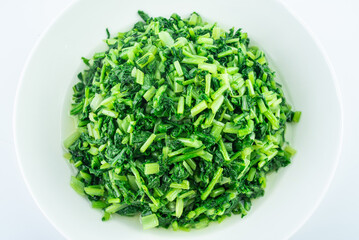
179	121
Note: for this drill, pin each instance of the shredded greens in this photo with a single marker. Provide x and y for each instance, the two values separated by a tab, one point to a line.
179	121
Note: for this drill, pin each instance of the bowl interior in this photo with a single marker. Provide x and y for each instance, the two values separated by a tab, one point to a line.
42	122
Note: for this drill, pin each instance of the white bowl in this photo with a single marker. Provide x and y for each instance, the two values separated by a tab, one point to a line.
41	119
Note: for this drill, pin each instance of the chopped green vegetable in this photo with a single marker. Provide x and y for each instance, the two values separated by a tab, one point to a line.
179	121
148	142
213	182
151	168
149	221
199	108
77	185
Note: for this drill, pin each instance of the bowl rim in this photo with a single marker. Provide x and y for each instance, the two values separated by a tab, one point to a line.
328	62
298	19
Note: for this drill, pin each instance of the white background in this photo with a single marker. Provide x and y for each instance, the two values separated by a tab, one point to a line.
334	22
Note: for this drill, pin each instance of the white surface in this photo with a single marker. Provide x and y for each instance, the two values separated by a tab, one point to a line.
309	84
336	26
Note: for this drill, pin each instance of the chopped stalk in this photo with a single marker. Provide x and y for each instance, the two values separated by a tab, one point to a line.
148	142
199	108
211	185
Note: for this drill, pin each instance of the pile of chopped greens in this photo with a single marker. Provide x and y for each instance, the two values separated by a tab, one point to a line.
179	121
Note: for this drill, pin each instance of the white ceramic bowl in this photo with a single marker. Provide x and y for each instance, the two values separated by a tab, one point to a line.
44	93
